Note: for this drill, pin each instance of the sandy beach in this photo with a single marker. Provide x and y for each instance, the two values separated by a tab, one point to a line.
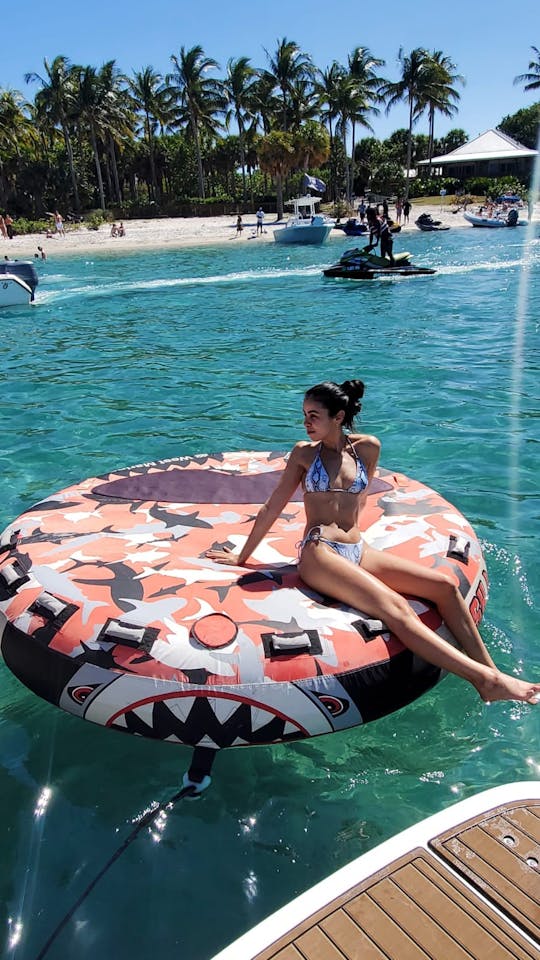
178	232
184	232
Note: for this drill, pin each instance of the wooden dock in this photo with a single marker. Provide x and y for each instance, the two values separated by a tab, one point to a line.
470	892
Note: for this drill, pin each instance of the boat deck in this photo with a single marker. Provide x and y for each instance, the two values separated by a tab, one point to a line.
472	892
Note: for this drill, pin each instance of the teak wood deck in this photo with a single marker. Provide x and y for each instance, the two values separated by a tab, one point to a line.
473	894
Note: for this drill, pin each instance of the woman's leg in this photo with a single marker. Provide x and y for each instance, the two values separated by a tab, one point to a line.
438	587
324	570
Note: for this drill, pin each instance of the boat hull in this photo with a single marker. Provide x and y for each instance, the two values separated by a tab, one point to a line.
465	875
310	234
14	292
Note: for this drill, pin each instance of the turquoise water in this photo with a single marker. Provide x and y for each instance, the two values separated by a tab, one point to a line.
132	358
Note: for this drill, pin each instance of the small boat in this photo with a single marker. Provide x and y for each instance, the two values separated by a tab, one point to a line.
510	219
426	222
462	883
18	281
305	225
352	227
362	265
14	291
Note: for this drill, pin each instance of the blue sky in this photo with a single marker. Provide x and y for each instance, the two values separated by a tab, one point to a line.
490	43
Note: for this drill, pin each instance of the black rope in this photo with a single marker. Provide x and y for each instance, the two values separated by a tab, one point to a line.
189	791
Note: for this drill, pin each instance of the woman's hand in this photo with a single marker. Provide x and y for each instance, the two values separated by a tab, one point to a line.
224	555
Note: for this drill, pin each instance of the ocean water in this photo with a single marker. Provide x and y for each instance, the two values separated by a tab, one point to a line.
139	357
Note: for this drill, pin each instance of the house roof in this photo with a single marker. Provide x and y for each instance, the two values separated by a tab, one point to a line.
491	145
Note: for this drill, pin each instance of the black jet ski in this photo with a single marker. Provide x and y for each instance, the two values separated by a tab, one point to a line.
426	222
363	265
352	227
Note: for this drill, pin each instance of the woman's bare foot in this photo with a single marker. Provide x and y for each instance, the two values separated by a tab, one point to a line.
501	686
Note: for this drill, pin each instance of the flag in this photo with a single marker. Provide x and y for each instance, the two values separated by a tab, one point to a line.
313	183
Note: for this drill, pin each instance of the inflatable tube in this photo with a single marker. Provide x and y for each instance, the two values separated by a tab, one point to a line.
110	609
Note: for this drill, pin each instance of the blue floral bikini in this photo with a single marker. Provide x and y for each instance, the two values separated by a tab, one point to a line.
318	481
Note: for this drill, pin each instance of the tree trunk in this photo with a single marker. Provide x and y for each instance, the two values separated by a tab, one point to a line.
114	168
198	152
154	188
69	151
409	147
279	196
98	166
430	143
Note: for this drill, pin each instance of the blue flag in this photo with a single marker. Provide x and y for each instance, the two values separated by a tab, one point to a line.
313	183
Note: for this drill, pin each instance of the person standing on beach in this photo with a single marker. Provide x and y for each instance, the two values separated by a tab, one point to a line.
9	226
3	230
59	224
399	209
260	220
406	211
239	226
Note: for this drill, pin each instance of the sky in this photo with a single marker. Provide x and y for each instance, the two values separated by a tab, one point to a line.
490	42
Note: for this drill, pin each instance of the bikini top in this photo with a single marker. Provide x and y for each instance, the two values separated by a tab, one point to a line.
318	481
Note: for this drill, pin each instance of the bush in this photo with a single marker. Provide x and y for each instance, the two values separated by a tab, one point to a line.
22	226
94	221
493	187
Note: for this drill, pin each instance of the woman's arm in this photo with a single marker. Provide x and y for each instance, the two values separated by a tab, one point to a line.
369	449
269	512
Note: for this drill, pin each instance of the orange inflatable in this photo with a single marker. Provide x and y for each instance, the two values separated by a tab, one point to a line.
111	610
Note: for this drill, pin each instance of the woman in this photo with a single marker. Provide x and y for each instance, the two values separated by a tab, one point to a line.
334	468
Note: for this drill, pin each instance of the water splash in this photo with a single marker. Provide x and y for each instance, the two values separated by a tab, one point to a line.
516	431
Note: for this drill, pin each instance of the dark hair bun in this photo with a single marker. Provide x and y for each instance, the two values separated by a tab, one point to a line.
353	388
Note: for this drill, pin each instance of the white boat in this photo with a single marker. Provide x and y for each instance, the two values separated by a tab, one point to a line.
14	291
463	883
509	219
305	225
18	281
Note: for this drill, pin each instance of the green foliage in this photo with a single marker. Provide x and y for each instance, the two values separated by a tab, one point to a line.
431	186
22	226
523	125
494	187
94	221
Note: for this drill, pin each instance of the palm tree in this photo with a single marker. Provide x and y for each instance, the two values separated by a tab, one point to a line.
277	156
532	78
326	86
412	87
351	108
312	144
54	101
362	71
89	107
117	118
151	98
200	97
440	95
287	67
265	105
15	131
238	87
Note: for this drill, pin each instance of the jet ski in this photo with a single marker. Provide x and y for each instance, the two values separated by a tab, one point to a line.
352	227
426	222
363	265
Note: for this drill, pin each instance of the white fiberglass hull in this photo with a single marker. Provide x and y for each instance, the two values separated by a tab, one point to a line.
310	233
13	291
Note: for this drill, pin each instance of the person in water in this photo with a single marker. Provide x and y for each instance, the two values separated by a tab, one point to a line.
334	468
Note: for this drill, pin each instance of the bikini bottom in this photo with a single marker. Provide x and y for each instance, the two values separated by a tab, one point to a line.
351	551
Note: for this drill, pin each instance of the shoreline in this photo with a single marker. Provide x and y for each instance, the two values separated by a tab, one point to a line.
181	232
